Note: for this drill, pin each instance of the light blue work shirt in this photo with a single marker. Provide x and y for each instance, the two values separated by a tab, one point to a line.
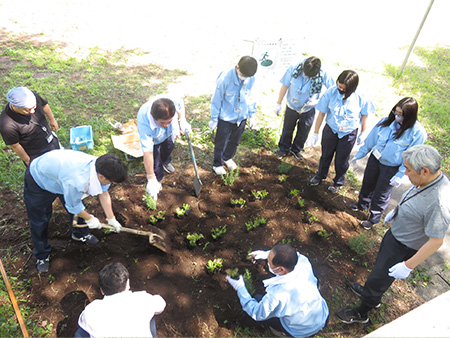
381	141
232	101
293	298
65	172
150	133
343	117
298	95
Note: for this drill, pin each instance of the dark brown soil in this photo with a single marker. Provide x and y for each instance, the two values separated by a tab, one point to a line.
198	304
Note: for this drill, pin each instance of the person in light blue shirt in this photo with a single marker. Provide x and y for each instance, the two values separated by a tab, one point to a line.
157	131
231	106
304	84
344	111
69	175
387	141
292	305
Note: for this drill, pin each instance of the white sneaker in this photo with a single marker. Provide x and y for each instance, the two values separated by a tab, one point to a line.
219	170
168	168
230	164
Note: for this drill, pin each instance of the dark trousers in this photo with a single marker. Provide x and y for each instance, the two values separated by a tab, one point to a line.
81	333
390	253
162	155
39	204
340	148
228	137
274	321
304	123
376	190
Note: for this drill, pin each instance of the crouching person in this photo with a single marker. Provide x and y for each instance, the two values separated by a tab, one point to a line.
292	305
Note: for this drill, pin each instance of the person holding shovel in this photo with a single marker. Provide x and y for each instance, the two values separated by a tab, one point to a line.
157	131
68	175
24	126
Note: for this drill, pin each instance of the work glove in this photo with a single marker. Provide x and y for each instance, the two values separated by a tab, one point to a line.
212	125
185	127
93	223
395	181
114	223
278	109
259	254
236	283
353	161
400	271
389	216
153	188
313	140
252	122
361	138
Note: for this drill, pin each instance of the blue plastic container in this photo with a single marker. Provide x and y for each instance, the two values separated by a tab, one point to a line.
81	138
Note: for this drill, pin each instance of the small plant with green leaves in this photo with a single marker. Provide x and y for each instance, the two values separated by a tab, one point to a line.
419	277
281	179
310	219
259	194
183	211
284	167
362	243
149	201
218	231
158	217
237	202
230	177
300	203
323	233
233	273
293	193
193	238
214	266
248	282
250	225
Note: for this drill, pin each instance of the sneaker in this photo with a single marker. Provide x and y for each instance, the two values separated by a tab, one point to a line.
219	170
280	154
230	164
334	188
297	155
350	316
42	265
358	289
277	333
367	225
356	207
88	239
168	168
315	181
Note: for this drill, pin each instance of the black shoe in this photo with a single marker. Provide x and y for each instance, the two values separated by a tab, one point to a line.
280	154
276	332
297	155
356	207
350	316
367	225
358	289
315	181
88	239
42	265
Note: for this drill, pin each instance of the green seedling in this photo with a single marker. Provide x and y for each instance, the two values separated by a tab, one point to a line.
214	265
149	201
234	273
256	223
300	202
259	194
217	232
294	193
158	217
282	178
284	167
230	177
237	202
323	233
184	210
248	282
193	238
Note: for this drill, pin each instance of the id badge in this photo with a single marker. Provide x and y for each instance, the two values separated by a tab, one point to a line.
377	154
49	138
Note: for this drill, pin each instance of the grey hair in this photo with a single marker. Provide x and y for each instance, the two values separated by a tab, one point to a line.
423	156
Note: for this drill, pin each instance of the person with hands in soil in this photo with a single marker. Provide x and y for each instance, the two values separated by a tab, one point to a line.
418	227
394	134
121	312
157	131
292	305
70	176
304	84
24	126
344	110
232	106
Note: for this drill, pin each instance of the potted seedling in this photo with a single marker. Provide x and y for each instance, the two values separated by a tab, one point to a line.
258	195
158	217
219	231
293	193
322	233
149	201
281	179
193	239
300	203
214	266
237	202
310	219
185	210
250	225
233	273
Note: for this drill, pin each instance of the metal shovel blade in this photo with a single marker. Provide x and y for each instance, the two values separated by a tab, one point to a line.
197	183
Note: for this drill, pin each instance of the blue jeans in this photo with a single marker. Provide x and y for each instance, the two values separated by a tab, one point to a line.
303	122
162	155
228	137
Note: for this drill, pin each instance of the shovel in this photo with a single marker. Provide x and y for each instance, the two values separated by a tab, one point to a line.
197	182
156	237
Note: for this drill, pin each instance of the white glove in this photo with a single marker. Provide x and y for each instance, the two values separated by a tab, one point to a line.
153	188
400	271
278	109
389	216
259	254
114	223
361	138
395	181
353	161
94	223
185	127
252	122
236	283
313	140
212	125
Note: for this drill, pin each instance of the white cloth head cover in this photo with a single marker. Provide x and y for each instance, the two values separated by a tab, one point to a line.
21	97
